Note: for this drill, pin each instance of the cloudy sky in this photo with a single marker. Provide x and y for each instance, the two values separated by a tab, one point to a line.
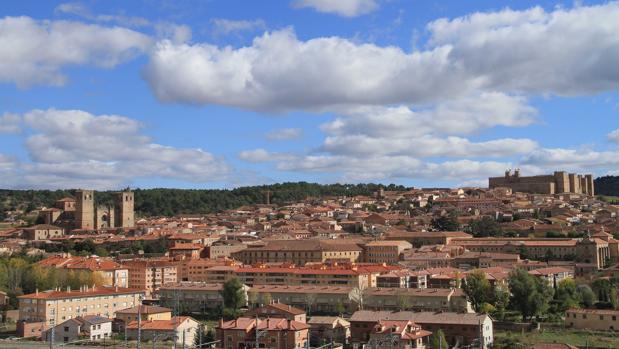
211	94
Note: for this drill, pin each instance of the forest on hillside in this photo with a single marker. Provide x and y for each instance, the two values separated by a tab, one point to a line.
169	202
607	185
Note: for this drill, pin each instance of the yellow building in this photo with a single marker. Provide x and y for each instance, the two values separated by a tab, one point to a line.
385	251
300	252
147	313
55	306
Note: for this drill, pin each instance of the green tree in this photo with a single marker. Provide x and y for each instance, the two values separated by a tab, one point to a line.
602	289
233	295
101	251
586	295
566	296
529	295
486	226
438	340
501	301
447	222
477	289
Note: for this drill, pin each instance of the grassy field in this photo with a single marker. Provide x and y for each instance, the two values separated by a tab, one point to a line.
578	338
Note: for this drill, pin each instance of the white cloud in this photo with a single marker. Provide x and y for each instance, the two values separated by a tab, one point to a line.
284	134
34	52
262	155
227	26
573	159
10	123
393	167
81	10
346	8
614	136
563	52
73	148
6	163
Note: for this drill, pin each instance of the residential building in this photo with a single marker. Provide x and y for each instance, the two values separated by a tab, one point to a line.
329	329
429	299
385	251
182	329
150	275
459	328
300	252
93	327
107	271
276	333
278	310
146	313
409	335
192	296
55	306
403	279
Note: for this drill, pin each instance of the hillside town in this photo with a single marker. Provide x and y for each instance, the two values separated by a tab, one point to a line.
420	268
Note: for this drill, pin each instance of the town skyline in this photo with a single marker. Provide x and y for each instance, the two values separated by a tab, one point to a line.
187	95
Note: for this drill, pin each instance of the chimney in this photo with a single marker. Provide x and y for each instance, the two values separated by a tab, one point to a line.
68	288
36	291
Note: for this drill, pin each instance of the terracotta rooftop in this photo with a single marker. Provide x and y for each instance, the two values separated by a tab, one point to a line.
90	292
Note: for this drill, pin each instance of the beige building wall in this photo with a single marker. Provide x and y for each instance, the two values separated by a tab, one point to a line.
84	209
55	309
592	319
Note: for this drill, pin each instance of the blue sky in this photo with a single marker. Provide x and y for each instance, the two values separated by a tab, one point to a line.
209	94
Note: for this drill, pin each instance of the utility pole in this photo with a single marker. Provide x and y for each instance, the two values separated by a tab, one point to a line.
183	338
139	321
51	333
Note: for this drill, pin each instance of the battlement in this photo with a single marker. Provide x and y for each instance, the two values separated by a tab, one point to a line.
558	182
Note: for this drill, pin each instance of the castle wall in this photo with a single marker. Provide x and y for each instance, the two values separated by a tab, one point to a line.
105	217
562	181
559	182
575	183
589	179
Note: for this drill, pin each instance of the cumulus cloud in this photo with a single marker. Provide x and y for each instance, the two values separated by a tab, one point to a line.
262	155
346	8
34	52
227	26
393	167
10	123
6	163
614	136
73	148
284	134
563	52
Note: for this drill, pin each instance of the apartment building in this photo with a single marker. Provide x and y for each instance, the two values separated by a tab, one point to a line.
55	306
109	272
385	251
300	252
150	275
191	296
345	274
277	333
403	279
429	299
146	313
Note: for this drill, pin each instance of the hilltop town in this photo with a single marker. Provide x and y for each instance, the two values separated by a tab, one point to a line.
412	267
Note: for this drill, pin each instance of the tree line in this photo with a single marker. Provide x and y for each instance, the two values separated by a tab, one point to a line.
531	297
607	185
169	202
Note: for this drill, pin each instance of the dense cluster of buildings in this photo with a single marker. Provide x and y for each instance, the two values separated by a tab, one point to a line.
359	270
